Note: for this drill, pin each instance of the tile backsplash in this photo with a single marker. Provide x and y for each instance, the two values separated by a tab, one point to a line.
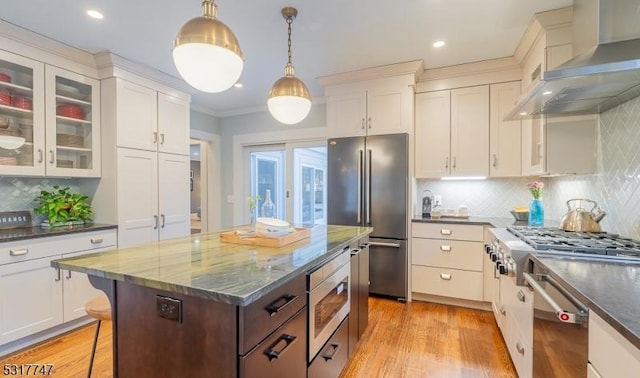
615	186
19	193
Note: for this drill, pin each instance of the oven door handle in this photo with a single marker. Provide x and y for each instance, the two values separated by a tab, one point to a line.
381	244
563	316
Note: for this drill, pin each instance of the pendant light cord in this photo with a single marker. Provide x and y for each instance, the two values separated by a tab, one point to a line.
289	22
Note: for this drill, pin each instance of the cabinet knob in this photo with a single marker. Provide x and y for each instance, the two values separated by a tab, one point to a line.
521	296
520	348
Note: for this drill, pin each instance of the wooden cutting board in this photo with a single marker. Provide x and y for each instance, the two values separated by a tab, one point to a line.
274	242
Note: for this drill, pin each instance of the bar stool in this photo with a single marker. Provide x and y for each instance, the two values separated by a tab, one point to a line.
98	308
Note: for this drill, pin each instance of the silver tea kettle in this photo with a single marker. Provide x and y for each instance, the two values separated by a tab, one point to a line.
581	219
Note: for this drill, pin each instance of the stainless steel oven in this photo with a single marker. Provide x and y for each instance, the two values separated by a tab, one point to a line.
560	327
329	300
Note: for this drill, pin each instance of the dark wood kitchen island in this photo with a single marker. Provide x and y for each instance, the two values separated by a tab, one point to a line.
198	307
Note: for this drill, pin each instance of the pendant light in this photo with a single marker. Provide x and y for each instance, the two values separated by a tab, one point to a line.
206	52
289	100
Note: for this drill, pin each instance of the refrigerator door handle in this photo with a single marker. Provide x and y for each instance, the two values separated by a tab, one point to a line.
359	212
380	244
367	172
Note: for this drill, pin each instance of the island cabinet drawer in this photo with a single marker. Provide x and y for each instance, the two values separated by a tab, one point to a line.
454	254
333	356
447	231
37	248
263	316
446	282
281	355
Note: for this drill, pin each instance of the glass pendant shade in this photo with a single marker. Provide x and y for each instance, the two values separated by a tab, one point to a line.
207	54
289	100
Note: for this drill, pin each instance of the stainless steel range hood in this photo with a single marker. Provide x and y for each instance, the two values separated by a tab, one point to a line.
600	78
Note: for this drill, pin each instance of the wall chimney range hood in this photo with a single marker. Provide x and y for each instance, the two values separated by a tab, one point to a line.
597	79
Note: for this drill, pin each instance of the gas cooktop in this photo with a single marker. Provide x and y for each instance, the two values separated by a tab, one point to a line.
599	243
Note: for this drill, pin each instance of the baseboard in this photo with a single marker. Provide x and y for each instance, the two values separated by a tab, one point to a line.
485	306
41	337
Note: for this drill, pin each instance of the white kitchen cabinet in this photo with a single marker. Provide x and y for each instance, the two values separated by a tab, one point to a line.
374	107
610	353
517	321
33	295
452	136
57	113
150	186
147	145
30	298
151	120
433	134
505	137
76	289
446	260
559	145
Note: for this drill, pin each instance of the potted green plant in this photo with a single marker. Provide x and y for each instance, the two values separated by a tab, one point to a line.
62	207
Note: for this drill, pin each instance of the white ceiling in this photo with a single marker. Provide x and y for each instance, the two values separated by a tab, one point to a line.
329	36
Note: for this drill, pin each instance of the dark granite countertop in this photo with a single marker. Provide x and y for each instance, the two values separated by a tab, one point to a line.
25	233
202	265
490	221
610	289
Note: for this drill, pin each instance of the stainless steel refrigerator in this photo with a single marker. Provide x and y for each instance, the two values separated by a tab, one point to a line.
368	186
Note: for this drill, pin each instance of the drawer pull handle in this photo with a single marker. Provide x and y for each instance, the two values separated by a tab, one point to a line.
334	348
445	276
280	303
520	348
19	252
445	231
57	275
97	240
272	353
445	248
521	296
68	274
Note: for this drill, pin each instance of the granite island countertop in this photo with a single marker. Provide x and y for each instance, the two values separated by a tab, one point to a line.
202	265
610	289
26	233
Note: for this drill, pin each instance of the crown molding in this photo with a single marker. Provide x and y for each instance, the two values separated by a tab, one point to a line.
538	24
205	110
113	65
47	50
413	67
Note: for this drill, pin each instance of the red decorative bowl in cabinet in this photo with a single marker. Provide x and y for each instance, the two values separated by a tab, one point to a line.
4	77
22	102
71	111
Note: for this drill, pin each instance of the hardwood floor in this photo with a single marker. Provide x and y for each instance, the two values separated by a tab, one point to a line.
420	339
71	352
415	339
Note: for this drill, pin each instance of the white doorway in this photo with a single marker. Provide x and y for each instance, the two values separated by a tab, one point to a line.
205	181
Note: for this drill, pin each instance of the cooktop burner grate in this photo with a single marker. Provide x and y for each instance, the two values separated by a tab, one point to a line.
601	243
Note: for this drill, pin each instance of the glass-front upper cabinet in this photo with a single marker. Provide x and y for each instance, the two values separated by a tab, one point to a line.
73	124
22	120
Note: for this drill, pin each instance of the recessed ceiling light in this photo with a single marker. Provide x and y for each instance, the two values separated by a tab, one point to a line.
546	93
238	85
523	113
95	14
438	44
